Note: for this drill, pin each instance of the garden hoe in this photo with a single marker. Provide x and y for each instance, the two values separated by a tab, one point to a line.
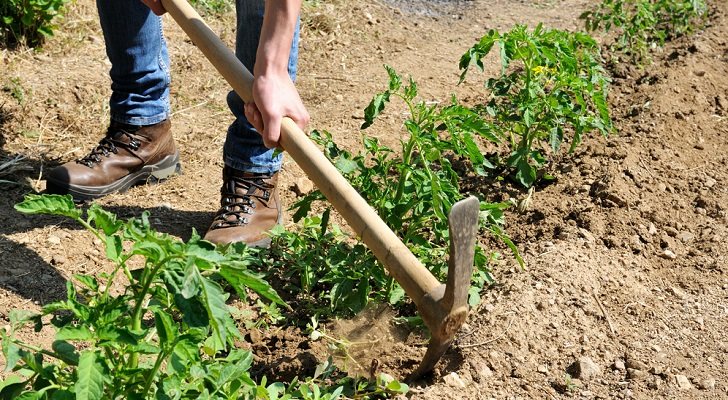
443	307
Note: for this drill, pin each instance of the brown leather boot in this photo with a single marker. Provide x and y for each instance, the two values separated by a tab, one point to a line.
249	208
125	157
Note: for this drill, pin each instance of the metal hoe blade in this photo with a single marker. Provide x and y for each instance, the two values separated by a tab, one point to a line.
445	308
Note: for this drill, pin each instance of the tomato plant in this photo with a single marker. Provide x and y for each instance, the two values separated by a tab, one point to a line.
642	24
552	89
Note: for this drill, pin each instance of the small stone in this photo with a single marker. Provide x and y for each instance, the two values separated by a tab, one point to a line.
53	240
710	182
661	187
543	369
586	235
686	236
302	186
668	255
454	380
682	382
59	259
707	384
339	98
657	370
484	372
585	369
652	229
636	374
635	364
677	292
619	365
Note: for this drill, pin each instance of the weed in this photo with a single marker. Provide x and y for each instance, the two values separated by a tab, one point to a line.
16	90
552	85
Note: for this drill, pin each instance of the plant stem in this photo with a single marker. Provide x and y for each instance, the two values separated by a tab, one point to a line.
153	372
138	308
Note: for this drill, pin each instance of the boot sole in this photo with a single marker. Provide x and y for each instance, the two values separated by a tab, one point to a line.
148	174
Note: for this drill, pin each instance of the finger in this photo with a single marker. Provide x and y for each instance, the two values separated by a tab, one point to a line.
156	6
254	117
271	131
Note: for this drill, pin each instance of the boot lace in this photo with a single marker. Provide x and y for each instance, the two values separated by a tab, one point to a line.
237	200
111	143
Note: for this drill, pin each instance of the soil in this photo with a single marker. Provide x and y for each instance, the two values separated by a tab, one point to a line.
625	293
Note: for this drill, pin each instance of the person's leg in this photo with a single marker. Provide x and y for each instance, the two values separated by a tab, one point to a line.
244	149
139	62
138	146
250	205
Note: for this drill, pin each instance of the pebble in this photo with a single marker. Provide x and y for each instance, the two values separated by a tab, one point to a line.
678	293
686	236
682	382
59	259
635	374
657	370
619	365
652	229
585	368
707	384
710	182
339	98
586	235
661	187
302	186
635	364
53	239
668	254
543	369
454	380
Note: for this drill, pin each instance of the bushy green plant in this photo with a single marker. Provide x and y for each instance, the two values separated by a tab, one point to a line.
28	22
412	190
167	335
552	90
642	24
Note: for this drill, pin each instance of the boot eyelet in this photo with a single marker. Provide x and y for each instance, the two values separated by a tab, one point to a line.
134	144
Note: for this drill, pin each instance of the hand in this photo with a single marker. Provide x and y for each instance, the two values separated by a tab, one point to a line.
275	97
155	5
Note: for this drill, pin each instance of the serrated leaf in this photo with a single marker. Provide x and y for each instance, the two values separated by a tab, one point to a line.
375	107
49	204
80	332
166	328
240	278
103	220
90	383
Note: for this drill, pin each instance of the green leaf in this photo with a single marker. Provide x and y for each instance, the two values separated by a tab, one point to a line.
241	278
12	353
114	248
80	332
11	387
104	220
90	383
66	352
30	396
346	165
62	395
49	204
375	107
88	281
395	82
166	328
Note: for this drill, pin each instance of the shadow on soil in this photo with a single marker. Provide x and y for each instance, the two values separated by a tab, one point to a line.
22	270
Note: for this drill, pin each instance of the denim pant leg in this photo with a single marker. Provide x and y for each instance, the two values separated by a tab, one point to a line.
244	149
139	62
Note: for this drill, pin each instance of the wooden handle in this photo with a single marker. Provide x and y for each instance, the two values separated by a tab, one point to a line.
386	246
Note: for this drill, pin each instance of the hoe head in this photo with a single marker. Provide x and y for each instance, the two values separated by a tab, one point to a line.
445	308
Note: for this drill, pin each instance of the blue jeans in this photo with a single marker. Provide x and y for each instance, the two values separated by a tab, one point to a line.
140	75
